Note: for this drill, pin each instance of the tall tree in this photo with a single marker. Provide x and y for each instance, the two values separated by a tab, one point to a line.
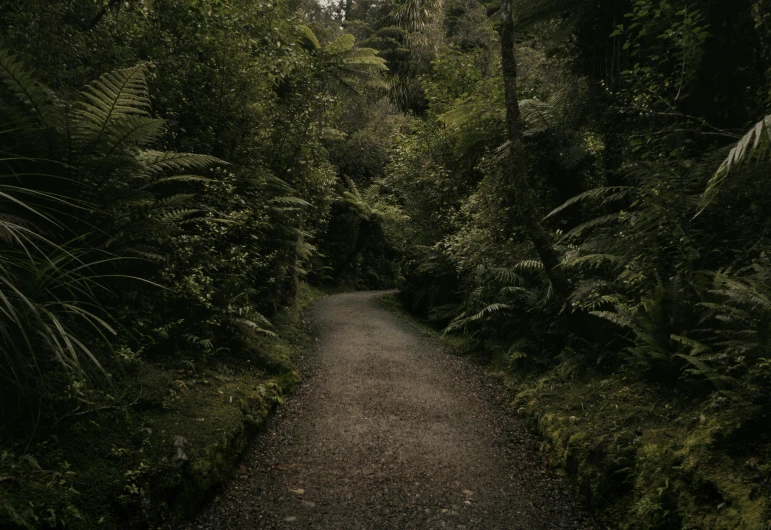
515	169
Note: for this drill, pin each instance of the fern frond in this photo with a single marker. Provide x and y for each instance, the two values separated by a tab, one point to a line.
591	224
175	214
492	308
607	194
307	38
507	275
114	96
697	348
343	43
529	265
754	144
537	115
625	321
157	162
175	200
178	178
291	201
26	88
132	131
254	326
593	260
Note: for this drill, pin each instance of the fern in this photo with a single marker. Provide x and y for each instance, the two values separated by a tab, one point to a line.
115	96
159	162
604	195
529	265
307	39
34	96
592	260
752	146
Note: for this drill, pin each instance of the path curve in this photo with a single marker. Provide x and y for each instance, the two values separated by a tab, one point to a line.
391	433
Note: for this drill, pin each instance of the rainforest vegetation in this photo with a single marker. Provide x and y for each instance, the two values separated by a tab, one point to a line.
576	190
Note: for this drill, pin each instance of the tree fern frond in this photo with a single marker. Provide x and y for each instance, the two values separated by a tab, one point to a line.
175	200
529	264
589	225
114	96
290	200
754	144
697	348
537	115
593	260
607	194
307	39
178	178
492	308
133	131
507	275
341	44
155	162
625	321
254	326
26	88
174	214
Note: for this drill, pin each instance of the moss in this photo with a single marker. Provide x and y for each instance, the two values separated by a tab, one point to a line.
646	458
152	454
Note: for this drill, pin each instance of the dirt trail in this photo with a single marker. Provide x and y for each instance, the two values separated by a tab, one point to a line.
391	433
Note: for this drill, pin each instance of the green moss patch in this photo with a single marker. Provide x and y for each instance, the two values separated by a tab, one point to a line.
154	451
646	458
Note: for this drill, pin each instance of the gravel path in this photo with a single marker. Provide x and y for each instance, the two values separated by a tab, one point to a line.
389	432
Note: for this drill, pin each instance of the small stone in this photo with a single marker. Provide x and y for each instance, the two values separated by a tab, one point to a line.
290	519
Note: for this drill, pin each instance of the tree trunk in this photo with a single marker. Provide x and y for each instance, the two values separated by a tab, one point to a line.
515	169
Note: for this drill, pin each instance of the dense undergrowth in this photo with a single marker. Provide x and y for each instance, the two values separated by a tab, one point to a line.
586	187
154	447
577	189
639	454
168	173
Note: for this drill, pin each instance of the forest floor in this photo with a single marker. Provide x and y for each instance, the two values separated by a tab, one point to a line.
390	431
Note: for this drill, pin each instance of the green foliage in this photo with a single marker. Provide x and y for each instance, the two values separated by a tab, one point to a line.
657	208
753	146
166	212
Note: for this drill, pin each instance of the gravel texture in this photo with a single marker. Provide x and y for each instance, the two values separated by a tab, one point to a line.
390	432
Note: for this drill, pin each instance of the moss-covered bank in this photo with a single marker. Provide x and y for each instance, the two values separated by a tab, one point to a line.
646	457
157	448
